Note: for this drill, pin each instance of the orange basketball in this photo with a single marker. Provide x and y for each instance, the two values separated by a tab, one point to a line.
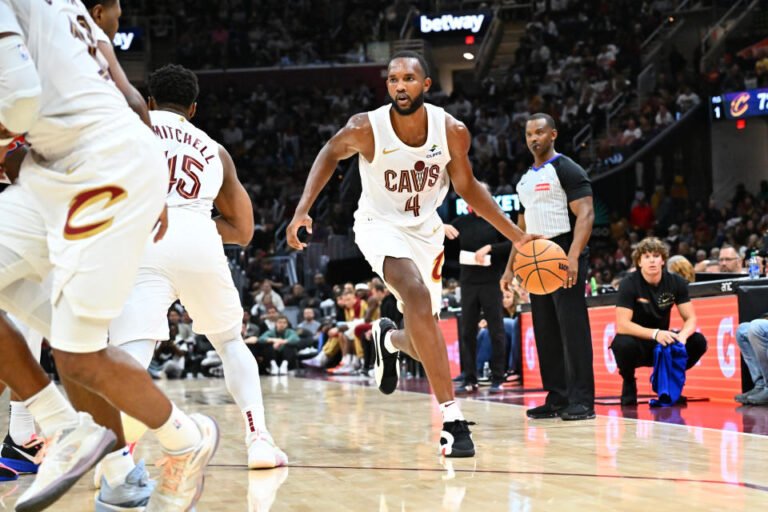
541	267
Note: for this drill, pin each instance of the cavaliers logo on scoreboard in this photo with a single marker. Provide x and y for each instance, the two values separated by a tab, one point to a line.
740	104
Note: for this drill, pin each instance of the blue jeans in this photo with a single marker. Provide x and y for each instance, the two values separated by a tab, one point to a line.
752	338
513	346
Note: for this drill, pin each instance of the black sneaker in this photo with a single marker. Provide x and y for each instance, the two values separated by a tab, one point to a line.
22	459
456	440
544	411
386	367
465	388
495	388
629	392
575	412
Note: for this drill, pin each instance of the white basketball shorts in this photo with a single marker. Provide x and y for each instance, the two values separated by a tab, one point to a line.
189	265
85	219
423	244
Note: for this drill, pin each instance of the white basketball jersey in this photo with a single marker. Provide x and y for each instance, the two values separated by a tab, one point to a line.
77	91
196	171
403	184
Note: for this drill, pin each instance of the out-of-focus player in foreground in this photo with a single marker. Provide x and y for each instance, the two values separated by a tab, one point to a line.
189	263
84	205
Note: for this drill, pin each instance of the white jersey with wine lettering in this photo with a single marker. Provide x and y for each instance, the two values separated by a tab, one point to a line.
404	184
189	263
91	188
196	172
76	96
402	188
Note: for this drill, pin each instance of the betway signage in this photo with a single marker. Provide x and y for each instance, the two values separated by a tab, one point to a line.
464	23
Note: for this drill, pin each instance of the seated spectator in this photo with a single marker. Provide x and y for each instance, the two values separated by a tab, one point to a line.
752	338
663	117
730	260
168	360
643	310
681	266
249	327
266	289
277	347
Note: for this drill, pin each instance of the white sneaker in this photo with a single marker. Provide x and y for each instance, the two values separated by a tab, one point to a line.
71	454
263	453
131	495
273	369
283	370
211	359
181	483
319	361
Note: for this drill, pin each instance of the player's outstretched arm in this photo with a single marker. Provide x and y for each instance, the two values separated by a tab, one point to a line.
132	96
355	137
476	196
235	224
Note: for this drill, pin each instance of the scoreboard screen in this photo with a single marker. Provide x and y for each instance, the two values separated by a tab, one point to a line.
738	105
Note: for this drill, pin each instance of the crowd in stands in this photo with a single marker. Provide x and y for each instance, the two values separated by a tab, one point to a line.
265	33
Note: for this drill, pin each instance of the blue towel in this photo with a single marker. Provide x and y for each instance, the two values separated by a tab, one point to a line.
668	377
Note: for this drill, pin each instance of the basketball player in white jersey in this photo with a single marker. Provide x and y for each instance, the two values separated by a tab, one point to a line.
189	263
21	446
84	205
409	151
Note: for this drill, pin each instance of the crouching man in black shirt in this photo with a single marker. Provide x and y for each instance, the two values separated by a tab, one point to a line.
642	315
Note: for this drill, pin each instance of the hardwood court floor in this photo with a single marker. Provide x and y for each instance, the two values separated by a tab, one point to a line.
353	449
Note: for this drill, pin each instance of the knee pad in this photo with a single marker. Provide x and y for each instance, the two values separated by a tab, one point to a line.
219	339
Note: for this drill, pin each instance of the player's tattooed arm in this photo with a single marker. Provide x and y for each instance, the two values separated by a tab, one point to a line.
355	137
235	222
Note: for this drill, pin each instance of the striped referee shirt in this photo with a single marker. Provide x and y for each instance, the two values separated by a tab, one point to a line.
545	192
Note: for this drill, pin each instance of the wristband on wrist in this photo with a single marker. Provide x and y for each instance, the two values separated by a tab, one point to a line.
655	333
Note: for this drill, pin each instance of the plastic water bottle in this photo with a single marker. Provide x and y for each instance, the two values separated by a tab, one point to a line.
754	266
486	371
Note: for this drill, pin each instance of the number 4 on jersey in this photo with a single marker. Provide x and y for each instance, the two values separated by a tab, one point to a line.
412	205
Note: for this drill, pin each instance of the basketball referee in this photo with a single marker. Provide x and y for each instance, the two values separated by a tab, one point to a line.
556	196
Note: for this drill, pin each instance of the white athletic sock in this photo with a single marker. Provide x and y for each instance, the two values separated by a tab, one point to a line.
179	433
254	421
388	342
21	424
51	410
451	412
241	376
117	465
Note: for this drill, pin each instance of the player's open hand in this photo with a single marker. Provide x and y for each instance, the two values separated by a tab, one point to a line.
507	281
161	225
527	237
292	231
573	272
451	233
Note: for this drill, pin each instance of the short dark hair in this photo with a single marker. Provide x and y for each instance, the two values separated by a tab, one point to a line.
173	84
546	117
408	54
90	4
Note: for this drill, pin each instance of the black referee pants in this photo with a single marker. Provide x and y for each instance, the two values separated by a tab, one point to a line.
564	342
474	297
